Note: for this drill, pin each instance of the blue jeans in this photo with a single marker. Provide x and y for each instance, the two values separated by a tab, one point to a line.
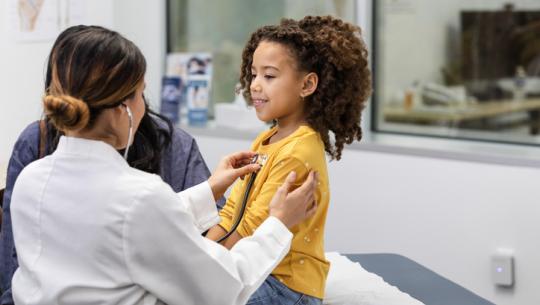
273	292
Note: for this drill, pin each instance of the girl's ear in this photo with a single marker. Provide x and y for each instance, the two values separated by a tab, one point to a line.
310	83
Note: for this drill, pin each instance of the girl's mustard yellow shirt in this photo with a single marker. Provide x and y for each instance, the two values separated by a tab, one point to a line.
305	268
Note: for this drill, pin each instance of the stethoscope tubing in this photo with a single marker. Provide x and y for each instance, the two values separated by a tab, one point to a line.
242	208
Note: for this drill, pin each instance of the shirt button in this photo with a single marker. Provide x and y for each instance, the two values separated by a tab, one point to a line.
301	262
316	230
281	280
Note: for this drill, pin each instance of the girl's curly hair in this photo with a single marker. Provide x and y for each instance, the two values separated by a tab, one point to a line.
334	50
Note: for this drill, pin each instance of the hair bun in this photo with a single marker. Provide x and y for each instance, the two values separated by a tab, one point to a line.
65	112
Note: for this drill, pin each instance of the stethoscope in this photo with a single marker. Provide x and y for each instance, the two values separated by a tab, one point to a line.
130	133
261	160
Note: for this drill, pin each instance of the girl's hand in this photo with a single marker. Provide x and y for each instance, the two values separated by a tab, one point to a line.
229	169
296	206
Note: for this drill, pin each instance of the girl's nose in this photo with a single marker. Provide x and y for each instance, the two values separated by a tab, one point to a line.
255	87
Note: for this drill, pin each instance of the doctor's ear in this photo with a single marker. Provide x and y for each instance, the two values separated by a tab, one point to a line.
128	110
310	82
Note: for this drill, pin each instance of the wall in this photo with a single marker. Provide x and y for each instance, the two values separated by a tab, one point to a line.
143	22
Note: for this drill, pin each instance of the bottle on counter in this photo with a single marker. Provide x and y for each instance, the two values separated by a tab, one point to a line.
520	80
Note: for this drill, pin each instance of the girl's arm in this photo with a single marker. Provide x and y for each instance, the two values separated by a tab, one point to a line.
217	232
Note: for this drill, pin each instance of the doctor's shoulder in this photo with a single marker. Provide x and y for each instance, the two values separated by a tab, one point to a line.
33	174
147	194
143	184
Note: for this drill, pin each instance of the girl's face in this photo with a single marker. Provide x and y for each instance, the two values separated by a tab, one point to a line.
276	85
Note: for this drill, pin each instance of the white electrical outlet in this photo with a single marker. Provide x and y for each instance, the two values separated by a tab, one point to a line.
502	267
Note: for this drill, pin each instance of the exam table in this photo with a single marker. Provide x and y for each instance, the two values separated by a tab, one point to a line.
417	280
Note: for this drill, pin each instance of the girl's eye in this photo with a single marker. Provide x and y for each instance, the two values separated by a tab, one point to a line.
269	76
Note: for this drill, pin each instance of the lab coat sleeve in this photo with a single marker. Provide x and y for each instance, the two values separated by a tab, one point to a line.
173	262
200	205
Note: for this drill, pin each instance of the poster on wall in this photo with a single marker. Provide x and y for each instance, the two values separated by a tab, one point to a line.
195	73
43	20
33	20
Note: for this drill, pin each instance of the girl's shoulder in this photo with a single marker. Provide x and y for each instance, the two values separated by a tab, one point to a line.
305	136
303	133
304	144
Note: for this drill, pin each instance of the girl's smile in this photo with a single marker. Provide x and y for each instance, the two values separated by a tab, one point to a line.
258	102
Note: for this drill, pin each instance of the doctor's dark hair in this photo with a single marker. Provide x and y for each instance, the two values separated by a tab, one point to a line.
334	50
90	69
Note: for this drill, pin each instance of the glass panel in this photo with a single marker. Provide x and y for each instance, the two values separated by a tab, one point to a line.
223	27
458	68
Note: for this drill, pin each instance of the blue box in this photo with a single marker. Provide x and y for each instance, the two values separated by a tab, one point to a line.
171	95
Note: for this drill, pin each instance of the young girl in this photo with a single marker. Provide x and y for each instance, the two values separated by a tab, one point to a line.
310	77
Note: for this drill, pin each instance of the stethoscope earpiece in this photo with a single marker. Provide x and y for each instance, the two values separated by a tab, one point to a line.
130	134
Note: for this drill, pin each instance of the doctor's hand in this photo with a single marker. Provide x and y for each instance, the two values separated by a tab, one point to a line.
294	207
229	169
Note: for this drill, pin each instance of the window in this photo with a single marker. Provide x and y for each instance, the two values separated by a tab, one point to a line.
223	27
458	68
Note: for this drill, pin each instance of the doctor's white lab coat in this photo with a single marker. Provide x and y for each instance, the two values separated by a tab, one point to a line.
89	229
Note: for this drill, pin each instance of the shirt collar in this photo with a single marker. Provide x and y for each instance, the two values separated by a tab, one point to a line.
88	148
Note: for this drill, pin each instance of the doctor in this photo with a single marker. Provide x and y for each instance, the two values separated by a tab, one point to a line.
90	229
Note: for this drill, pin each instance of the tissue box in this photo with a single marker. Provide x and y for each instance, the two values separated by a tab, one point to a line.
237	117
